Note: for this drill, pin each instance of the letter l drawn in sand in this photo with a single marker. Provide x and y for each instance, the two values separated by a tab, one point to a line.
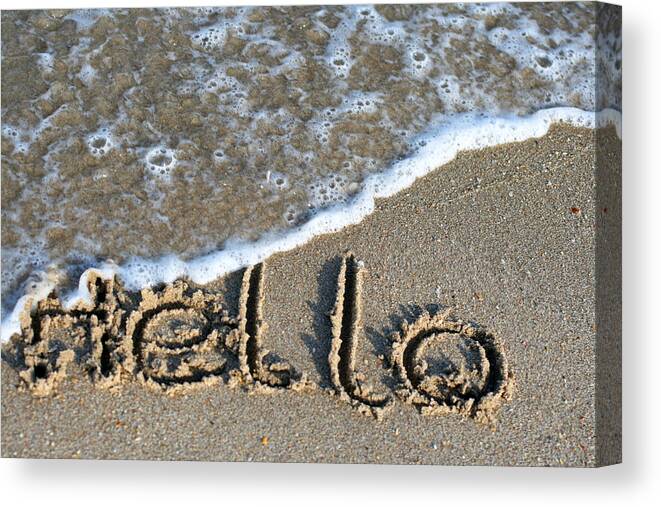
346	324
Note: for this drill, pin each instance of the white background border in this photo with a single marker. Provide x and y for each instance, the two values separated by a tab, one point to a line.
98	483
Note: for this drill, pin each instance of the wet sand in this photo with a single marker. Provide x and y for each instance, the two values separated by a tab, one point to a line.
517	239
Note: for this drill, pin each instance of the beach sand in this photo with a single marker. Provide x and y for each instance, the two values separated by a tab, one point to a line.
517	238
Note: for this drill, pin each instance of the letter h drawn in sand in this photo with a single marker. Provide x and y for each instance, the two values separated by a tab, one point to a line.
346	328
53	338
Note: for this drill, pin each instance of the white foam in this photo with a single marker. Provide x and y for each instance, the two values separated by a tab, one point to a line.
438	146
328	191
46	61
214	37
160	161
100	142
87	73
18	138
85	18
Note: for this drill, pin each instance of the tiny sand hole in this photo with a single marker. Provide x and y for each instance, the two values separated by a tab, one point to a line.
98	142
41	370
419	57
277	180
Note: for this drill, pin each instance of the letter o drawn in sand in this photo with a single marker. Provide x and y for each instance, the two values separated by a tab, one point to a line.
178	339
449	366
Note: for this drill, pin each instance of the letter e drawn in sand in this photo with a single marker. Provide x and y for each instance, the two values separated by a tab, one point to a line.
178	337
449	366
254	365
346	328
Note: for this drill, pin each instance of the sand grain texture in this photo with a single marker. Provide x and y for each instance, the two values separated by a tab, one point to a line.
508	239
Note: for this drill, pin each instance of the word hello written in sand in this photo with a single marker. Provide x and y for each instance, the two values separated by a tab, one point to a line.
176	338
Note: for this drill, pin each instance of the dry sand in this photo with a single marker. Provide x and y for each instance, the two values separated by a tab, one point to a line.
516	239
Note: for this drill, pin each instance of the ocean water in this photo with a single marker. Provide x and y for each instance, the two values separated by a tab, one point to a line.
159	143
